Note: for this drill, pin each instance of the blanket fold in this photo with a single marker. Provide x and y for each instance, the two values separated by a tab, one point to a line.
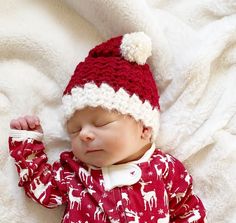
193	60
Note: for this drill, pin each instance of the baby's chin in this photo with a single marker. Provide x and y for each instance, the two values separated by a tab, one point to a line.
97	163
103	164
98	160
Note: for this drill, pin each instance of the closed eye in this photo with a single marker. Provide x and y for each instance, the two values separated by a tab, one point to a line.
74	131
101	124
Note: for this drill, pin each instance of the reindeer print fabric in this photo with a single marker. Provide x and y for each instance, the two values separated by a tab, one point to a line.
163	191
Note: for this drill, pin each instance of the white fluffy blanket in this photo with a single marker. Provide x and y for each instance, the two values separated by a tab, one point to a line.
194	57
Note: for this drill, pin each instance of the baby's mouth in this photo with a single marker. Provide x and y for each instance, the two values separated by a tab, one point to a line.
92	150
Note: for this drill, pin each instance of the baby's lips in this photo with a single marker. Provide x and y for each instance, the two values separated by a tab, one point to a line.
91	150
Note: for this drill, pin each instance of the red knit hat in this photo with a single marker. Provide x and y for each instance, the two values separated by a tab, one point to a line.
115	76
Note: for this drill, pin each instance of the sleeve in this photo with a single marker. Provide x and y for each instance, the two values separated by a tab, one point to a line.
43	182
184	205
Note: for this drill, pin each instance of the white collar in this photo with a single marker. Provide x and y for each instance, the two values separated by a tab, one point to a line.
125	174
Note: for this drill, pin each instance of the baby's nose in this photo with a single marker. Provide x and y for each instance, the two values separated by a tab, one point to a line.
86	134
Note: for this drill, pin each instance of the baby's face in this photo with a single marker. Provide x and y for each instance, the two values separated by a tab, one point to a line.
101	138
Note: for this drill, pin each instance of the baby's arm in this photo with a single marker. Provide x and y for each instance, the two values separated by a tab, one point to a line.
184	205
44	183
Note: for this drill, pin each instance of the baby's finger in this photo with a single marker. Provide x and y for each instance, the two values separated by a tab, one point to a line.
14	124
23	123
31	121
37	120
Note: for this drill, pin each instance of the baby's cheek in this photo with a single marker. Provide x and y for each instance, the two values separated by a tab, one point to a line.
76	152
75	145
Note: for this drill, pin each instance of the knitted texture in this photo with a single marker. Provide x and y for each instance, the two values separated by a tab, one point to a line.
105	78
104	64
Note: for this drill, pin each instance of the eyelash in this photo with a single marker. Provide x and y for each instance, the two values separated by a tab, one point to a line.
103	124
96	125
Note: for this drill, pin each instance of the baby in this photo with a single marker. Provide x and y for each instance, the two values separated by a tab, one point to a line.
114	172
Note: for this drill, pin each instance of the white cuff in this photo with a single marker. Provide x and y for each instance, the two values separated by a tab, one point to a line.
22	135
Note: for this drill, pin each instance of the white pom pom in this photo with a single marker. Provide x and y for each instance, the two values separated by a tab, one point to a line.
136	47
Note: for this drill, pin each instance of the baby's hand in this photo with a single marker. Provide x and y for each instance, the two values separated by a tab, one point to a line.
31	123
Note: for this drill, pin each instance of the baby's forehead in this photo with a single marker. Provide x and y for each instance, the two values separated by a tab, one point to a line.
99	110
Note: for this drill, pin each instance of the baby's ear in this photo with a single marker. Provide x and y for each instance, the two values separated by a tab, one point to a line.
146	133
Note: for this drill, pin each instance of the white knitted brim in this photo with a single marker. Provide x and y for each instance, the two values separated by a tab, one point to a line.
105	96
